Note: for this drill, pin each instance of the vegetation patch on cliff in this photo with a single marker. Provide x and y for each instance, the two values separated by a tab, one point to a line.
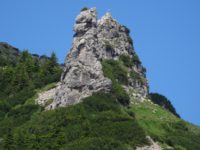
115	71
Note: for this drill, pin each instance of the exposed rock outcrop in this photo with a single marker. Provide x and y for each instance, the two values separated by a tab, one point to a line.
95	40
83	73
153	145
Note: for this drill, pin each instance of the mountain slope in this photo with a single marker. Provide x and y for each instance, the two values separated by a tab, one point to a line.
104	77
98	122
166	128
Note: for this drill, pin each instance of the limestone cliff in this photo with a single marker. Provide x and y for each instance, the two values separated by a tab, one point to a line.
96	40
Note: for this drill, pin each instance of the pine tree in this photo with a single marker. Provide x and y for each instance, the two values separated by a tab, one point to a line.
21	78
9	140
52	63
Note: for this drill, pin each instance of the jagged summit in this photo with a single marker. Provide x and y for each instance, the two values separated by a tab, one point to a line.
95	40
106	17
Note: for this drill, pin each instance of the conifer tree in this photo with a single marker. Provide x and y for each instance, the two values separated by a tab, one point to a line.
9	140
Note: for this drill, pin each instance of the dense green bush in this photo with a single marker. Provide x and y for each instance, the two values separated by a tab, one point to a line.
98	103
136	59
136	76
113	70
4	106
130	40
120	94
21	114
21	96
95	144
127	61
177	147
84	9
117	73
126	30
163	102
130	61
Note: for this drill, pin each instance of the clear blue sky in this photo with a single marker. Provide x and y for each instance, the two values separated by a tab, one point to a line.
166	36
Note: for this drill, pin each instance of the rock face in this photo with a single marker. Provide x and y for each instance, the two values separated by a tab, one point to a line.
95	40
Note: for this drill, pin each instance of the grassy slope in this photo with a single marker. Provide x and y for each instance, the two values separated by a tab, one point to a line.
160	124
166	128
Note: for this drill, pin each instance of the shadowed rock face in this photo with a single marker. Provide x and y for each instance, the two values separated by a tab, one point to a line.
93	41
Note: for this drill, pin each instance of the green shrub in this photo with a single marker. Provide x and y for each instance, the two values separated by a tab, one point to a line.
177	147
21	96
130	40
4	106
120	94
18	116
163	102
136	58
84	9
100	102
126	30
113	70
95	144
137	77
180	125
127	61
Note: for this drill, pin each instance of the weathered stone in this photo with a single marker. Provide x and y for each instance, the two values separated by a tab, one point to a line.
153	145
95	40
45	97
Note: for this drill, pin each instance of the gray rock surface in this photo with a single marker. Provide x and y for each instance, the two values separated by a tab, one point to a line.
83	73
93	41
153	145
45	97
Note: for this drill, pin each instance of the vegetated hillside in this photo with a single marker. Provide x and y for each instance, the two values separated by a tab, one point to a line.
8	54
99	122
116	113
19	80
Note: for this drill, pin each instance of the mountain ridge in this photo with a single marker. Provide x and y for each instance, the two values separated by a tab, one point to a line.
111	116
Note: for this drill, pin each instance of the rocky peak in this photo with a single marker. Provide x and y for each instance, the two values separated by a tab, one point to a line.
113	38
106	18
85	21
95	40
83	73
